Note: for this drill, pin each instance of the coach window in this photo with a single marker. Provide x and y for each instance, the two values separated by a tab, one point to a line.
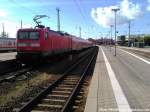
46	35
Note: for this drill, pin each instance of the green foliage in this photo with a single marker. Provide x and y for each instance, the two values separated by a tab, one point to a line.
147	38
3	34
141	39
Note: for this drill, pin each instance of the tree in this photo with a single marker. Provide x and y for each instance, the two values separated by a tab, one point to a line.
147	40
3	34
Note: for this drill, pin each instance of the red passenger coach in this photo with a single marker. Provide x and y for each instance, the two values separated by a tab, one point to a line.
79	43
7	44
41	42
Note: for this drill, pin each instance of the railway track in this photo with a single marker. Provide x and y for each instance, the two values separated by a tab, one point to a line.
9	66
10	77
59	96
11	73
14	69
138	52
11	69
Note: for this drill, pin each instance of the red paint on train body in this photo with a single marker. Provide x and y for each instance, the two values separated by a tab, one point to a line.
45	42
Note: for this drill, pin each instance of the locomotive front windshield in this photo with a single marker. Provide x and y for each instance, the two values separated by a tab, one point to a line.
28	35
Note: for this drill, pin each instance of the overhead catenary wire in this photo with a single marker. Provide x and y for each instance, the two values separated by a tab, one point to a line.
20	5
80	11
8	19
28	9
83	10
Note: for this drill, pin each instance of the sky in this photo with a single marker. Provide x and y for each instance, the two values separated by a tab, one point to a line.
93	16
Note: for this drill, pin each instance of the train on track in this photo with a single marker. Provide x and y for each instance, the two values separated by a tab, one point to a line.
7	44
41	42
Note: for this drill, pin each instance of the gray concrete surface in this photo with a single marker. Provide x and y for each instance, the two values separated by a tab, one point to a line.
133	76
100	94
7	56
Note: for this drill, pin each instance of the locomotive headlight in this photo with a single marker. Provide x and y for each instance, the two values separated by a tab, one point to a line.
35	45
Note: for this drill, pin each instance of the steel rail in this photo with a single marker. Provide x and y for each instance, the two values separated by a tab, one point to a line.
68	105
8	66
16	74
30	105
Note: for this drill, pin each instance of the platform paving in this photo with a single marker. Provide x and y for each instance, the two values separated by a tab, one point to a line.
133	76
7	56
100	94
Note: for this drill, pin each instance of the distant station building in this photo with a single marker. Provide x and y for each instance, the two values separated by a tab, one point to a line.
104	41
136	40
121	40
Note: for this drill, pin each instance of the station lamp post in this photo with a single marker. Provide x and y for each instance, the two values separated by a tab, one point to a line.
129	35
111	26
115	11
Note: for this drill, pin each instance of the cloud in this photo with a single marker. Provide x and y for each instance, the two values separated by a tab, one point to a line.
3	13
105	17
148	7
130	10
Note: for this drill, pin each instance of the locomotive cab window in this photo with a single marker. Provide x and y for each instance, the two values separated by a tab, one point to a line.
34	35
46	35
23	35
28	35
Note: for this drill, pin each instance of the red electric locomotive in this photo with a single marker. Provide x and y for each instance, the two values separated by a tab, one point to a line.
41	42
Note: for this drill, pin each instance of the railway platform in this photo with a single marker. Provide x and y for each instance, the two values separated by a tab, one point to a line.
147	50
119	83
100	94
7	56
